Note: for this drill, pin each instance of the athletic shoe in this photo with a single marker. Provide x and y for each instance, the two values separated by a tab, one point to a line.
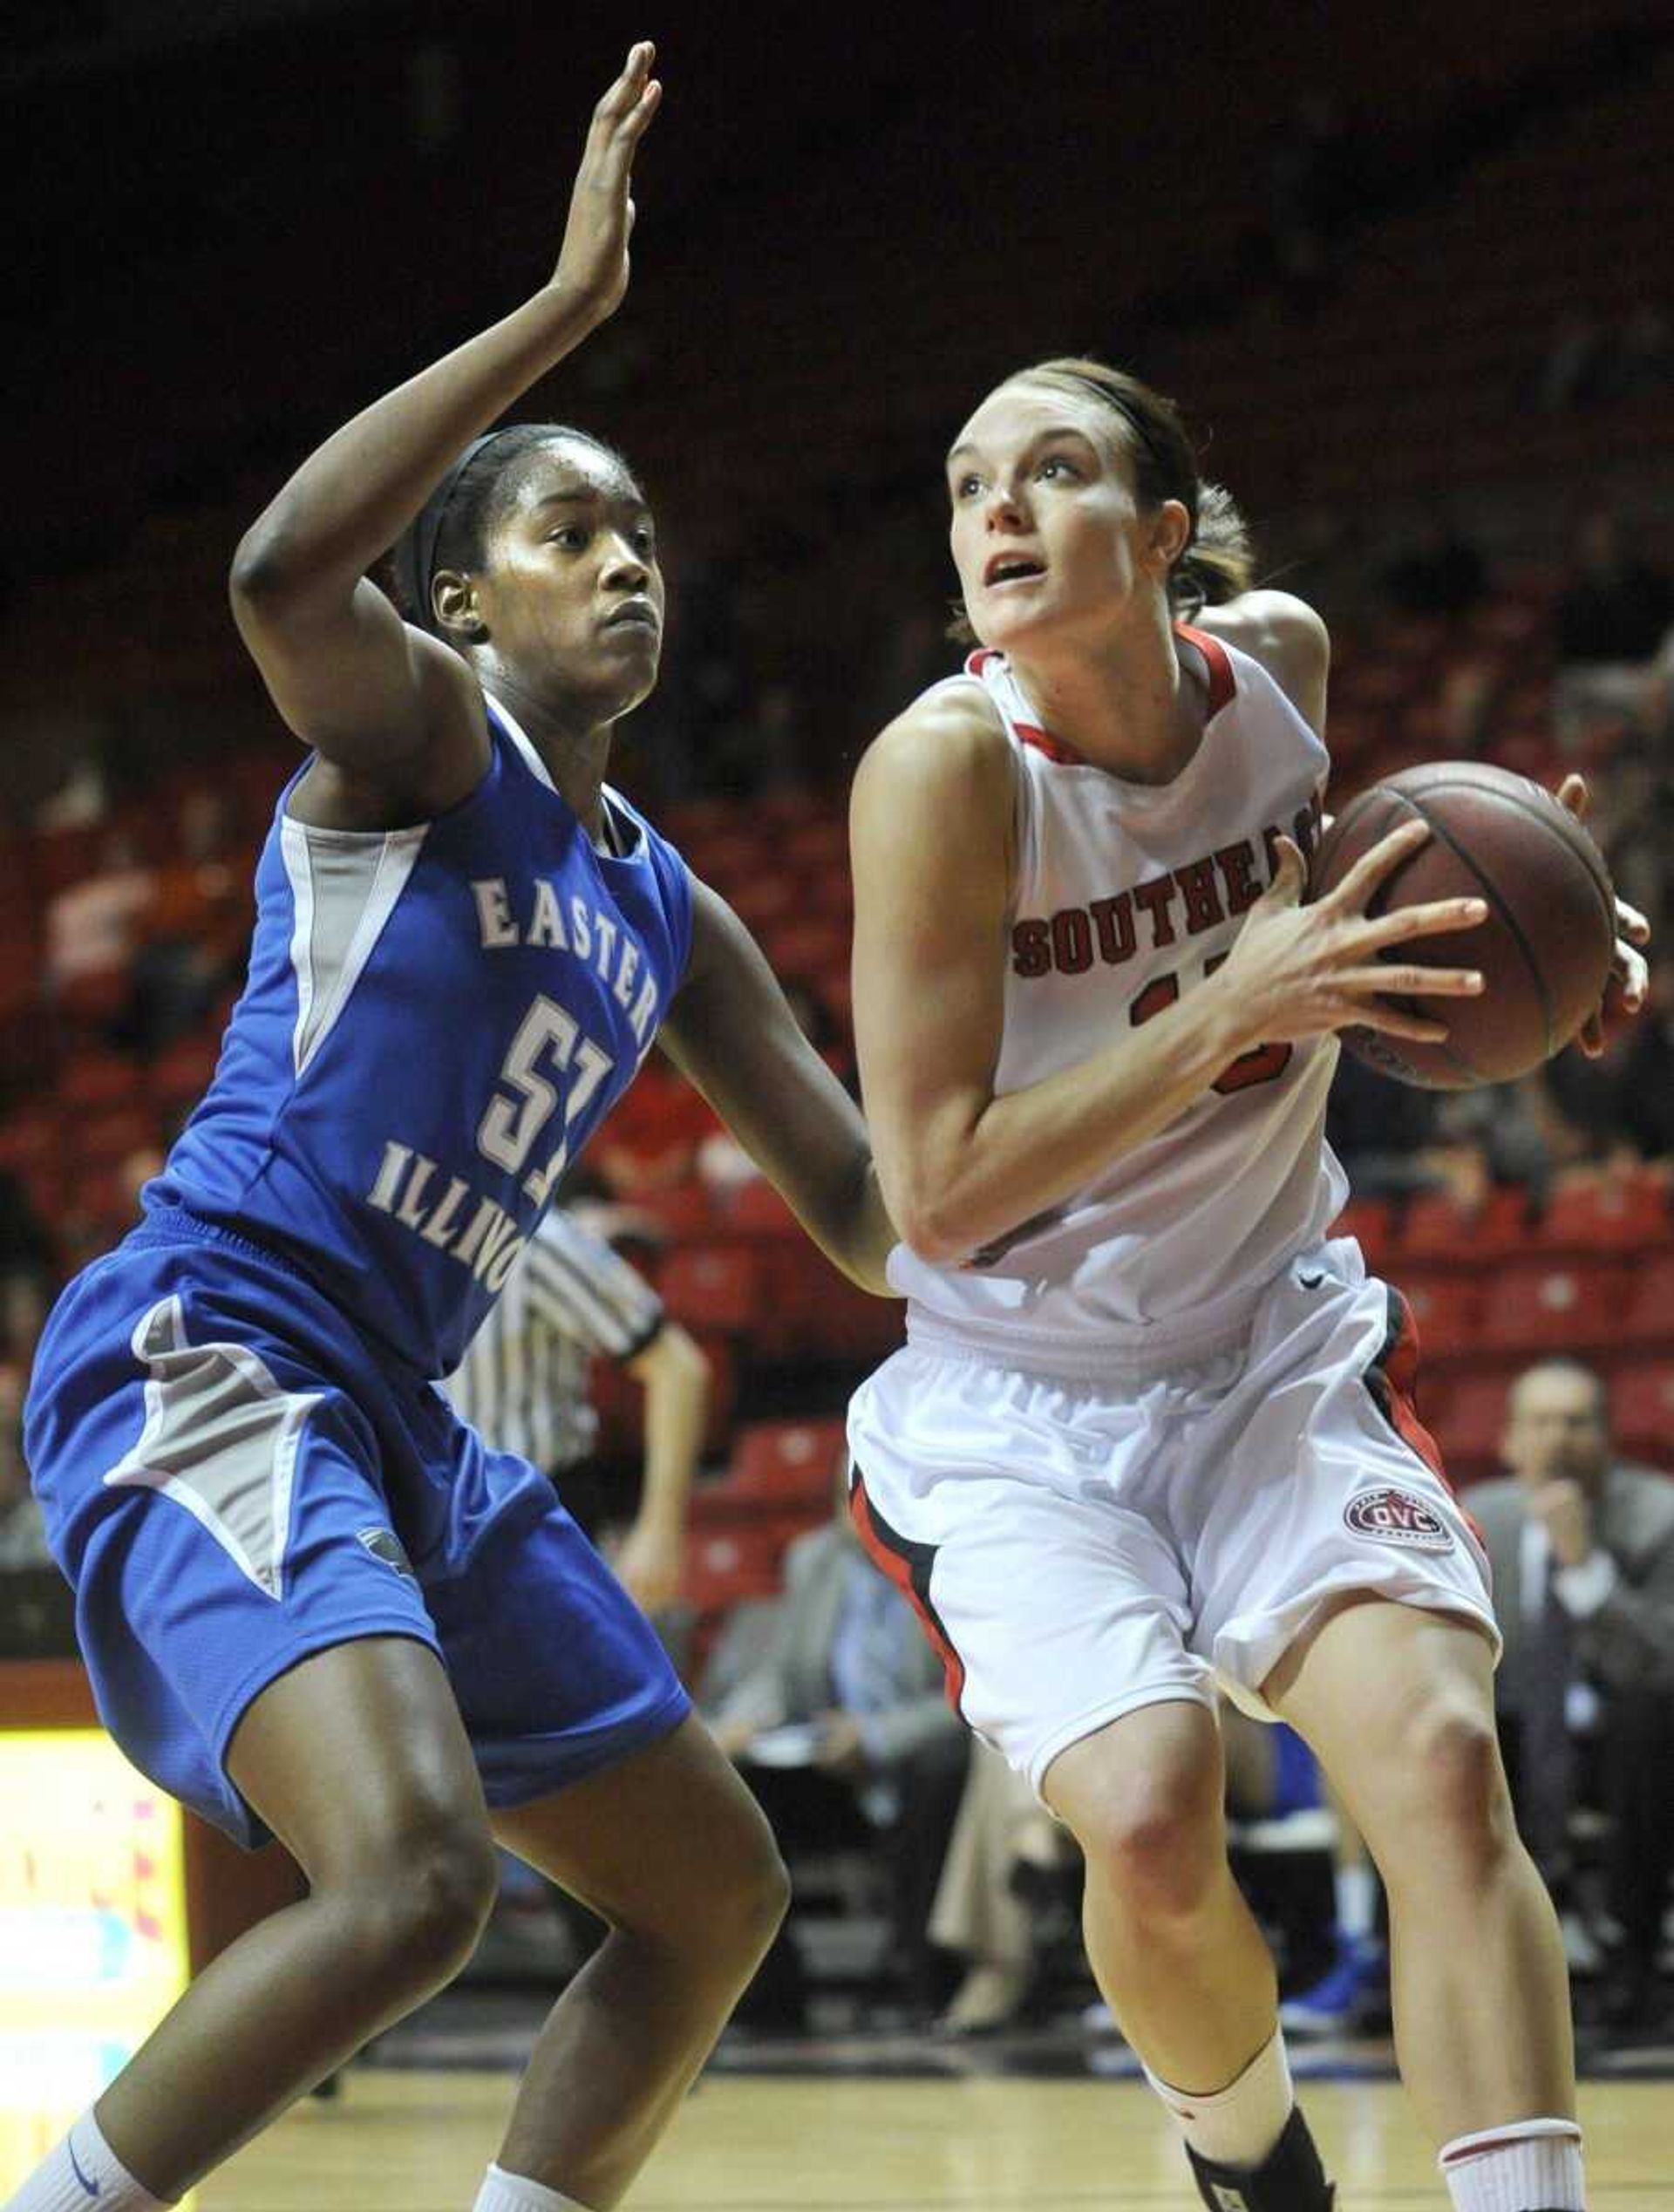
1357	1984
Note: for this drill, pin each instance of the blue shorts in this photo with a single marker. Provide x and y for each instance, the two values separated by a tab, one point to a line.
1295	1775
233	1477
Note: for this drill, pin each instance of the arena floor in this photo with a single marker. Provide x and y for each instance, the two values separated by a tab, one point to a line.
890	2124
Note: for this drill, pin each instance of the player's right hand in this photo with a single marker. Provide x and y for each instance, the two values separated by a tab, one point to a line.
1298	971
593	264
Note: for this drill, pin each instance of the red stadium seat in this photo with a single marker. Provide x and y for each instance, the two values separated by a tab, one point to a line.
806	946
1447	1307
819	846
712	1286
1648	1319
181	1075
1371	1222
809	1310
1618	1214
765	901
755	1208
683	1214
790	1465
1434	1226
1642	1411
726	1566
1551	1306
1468	1422
106	1139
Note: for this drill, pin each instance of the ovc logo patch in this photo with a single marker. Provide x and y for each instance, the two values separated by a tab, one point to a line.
1394	1517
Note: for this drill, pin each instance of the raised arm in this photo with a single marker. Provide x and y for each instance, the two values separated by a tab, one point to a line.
931	832
731	1032
390	707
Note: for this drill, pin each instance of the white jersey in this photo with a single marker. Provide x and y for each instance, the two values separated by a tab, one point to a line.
1128	894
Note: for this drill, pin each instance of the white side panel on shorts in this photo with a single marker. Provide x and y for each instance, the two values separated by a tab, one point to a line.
220	1438
344	884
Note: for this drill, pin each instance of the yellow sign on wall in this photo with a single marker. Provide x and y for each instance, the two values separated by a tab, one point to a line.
92	1928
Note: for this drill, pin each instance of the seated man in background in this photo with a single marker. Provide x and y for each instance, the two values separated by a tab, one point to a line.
831	1702
1583	1553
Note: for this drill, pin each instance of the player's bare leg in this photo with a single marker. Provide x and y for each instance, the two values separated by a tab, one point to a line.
1173	1945
358	1760
671	1851
1398	1705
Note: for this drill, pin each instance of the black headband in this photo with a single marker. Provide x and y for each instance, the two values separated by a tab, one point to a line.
1141	431
415	551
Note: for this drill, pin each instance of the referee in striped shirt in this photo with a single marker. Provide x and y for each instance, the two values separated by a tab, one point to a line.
523	1385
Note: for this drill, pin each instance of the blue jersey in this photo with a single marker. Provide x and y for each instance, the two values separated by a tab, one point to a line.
436	1020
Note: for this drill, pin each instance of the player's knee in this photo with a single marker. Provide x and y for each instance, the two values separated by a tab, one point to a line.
755	1893
1455	1796
427	1907
1154	1843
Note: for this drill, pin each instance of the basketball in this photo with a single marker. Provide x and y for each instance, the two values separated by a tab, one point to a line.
1545	948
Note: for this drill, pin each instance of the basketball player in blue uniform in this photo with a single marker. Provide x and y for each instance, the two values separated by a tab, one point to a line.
312	1602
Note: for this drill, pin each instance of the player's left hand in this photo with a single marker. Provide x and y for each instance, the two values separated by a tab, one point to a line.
1630	977
1562	1509
593	264
650	1563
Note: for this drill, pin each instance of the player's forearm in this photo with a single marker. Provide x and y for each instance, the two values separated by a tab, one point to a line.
677	1412
353	496
1025	1153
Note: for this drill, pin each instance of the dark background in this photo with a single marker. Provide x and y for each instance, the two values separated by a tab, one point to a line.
235	224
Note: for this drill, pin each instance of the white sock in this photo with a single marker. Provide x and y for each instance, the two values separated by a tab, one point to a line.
81	2173
1239	2125
1526	2166
1357	1901
504	2192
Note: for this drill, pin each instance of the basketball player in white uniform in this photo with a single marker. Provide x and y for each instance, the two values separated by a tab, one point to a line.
1152	1427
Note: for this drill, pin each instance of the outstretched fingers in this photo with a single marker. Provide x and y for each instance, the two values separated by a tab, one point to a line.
1411	982
627	106
1437	918
1349	896
1390	1021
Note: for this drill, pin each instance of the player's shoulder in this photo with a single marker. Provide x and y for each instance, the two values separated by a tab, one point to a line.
1285	638
1270	626
950	745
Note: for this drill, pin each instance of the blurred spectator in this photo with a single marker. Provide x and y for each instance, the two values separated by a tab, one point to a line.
1582	1548
1005	1852
1613	619
830	1701
1380	1130
1619	1108
92	926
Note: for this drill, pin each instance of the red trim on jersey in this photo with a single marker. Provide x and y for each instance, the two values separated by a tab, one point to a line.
1063	755
1222	683
1222	687
1397	1363
907	1566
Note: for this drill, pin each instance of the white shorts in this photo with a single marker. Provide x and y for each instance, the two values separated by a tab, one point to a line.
1076	1550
